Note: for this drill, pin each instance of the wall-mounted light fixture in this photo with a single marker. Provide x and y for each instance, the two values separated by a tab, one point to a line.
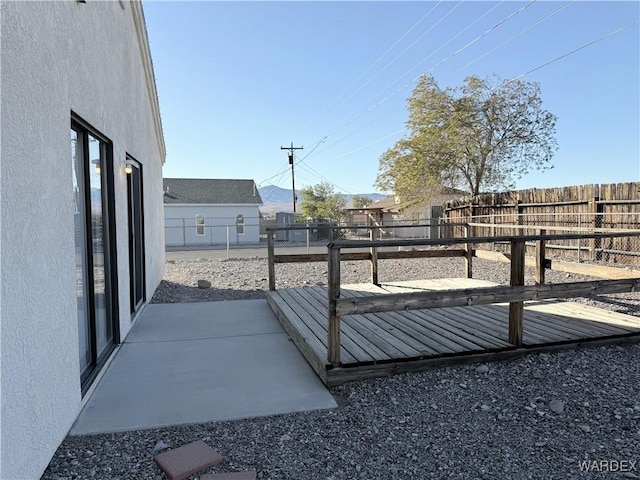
128	164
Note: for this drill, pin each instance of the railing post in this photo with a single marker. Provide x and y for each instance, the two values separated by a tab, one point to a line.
271	258
516	309
540	259
333	341
468	259
373	233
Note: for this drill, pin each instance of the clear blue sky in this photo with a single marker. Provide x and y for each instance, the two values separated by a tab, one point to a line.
238	80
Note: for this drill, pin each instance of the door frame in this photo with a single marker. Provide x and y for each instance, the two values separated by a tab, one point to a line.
136	170
84	129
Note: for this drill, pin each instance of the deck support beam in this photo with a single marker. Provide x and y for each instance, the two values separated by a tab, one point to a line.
374	234
468	259
333	274
271	259
516	309
540	260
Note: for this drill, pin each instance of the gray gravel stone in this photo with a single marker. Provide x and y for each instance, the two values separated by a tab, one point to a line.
482	369
556	406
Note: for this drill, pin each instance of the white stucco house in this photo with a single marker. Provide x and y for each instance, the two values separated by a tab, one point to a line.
201	212
81	237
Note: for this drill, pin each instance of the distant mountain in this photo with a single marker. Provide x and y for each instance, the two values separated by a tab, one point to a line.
272	194
276	199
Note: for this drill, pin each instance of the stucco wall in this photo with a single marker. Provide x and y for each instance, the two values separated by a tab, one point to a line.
58	57
180	224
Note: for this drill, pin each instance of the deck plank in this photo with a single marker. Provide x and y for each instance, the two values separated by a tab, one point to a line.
350	350
386	348
398	327
429	338
360	349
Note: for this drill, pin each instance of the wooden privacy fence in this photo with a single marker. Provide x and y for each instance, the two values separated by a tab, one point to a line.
589	207
515	294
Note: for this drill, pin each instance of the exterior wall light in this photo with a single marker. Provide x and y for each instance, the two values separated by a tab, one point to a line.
128	165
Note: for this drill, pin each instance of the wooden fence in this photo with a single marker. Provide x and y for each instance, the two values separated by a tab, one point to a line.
576	208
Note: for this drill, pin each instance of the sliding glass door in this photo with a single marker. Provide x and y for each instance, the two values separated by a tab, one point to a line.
95	253
136	234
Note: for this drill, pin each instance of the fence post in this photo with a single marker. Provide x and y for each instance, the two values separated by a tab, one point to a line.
373	232
596	243
184	233
579	230
333	340
468	259
227	242
516	309
307	237
540	259
271	258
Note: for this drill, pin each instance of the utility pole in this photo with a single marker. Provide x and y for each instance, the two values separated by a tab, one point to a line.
293	178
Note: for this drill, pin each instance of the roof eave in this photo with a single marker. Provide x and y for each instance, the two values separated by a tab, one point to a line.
150	79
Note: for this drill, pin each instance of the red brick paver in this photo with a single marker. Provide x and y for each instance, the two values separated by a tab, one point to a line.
249	475
183	461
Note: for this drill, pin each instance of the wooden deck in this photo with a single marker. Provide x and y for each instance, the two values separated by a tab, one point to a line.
393	342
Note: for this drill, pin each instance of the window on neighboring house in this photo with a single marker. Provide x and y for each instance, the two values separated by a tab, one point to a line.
240	224
199	224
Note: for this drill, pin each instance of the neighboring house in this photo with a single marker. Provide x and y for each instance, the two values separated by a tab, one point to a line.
81	237
409	218
200	212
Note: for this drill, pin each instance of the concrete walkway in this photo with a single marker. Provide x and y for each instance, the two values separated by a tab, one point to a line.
202	362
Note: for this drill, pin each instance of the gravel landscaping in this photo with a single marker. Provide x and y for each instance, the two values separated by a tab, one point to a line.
543	416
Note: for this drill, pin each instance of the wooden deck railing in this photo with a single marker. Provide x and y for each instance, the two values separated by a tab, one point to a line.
370	253
515	294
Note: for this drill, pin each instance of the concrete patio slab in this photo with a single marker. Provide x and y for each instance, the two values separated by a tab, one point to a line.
202	362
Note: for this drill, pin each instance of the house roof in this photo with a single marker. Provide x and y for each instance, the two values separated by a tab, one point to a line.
387	204
390	204
210	191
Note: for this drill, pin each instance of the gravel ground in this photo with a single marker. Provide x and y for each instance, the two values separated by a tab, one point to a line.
536	417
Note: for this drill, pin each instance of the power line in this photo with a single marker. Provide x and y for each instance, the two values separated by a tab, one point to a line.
384	100
330	106
546	17
353	132
486	32
404	75
610	34
404	51
441	47
322	177
279	172
367	145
